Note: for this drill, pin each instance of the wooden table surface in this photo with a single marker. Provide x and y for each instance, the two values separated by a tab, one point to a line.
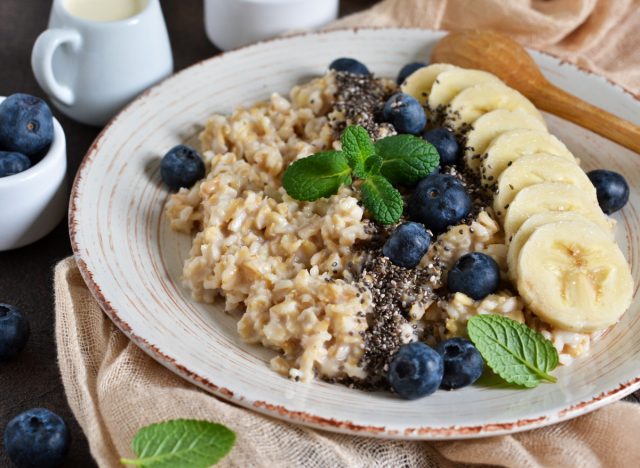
26	274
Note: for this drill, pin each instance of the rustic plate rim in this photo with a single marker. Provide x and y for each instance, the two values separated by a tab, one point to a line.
305	418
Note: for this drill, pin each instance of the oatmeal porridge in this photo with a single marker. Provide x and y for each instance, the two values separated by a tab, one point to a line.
319	281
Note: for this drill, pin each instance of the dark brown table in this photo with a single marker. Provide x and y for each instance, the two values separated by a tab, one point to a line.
26	274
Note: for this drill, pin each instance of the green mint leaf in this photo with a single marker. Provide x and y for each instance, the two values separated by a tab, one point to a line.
357	147
372	165
317	176
406	158
181	443
512	350
382	199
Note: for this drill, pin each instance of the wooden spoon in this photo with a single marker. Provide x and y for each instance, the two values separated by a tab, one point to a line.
504	57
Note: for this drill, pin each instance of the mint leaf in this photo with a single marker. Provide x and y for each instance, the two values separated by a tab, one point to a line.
406	158
317	176
372	165
181	443
357	147
512	350
384	201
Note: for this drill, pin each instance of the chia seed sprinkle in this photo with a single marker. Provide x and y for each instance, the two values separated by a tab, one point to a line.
361	99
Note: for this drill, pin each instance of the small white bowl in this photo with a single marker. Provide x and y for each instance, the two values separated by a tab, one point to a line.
235	23
33	202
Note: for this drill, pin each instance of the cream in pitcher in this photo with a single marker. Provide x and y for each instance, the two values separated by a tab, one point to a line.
105	10
92	61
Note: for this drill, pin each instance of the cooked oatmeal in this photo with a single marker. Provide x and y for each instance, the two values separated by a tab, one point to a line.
308	278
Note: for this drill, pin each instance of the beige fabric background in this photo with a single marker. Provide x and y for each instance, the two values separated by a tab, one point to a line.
114	388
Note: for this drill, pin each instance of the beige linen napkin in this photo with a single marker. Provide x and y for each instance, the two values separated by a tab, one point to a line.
114	388
601	35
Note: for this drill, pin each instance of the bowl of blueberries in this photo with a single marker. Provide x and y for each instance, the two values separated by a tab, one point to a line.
33	167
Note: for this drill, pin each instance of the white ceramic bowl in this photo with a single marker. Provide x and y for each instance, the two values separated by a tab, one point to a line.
235	23
132	260
33	202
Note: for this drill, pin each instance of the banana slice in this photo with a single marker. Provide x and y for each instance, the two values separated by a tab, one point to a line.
529	226
510	145
489	126
449	83
479	99
551	196
573	276
536	169
419	83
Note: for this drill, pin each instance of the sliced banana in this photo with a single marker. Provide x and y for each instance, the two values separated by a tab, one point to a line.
529	226
489	126
419	83
551	196
536	169
449	83
510	145
573	276
479	99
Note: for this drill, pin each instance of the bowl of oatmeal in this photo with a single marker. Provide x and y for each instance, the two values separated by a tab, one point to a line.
290	306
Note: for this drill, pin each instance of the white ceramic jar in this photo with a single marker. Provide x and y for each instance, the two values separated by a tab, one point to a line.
235	23
91	68
33	202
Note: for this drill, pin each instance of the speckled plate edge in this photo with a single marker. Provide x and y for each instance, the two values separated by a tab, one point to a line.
306	418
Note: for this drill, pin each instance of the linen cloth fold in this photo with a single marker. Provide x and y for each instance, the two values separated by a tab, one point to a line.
114	388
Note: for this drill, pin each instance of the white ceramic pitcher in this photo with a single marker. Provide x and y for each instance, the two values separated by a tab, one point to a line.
91	65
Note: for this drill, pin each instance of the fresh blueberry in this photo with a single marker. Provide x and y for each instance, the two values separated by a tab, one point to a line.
475	274
14	331
346	64
463	363
404	113
182	166
446	143
611	188
36	438
407	245
439	201
408	69
415	371
26	124
13	163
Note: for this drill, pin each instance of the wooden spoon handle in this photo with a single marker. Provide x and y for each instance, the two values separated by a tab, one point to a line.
558	102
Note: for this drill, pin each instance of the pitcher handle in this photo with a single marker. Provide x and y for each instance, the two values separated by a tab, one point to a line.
42	62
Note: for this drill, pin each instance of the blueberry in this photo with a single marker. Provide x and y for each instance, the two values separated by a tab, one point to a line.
439	201
415	371
475	274
446	143
404	113
407	70
14	331
13	163
611	188
346	64
26	124
463	363
407	245
182	166
36	438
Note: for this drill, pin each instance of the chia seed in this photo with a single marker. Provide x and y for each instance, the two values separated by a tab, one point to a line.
361	99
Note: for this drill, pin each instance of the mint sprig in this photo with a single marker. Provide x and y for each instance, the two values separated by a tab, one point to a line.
382	199
406	159
392	160
512	350
181	443
317	176
357	148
